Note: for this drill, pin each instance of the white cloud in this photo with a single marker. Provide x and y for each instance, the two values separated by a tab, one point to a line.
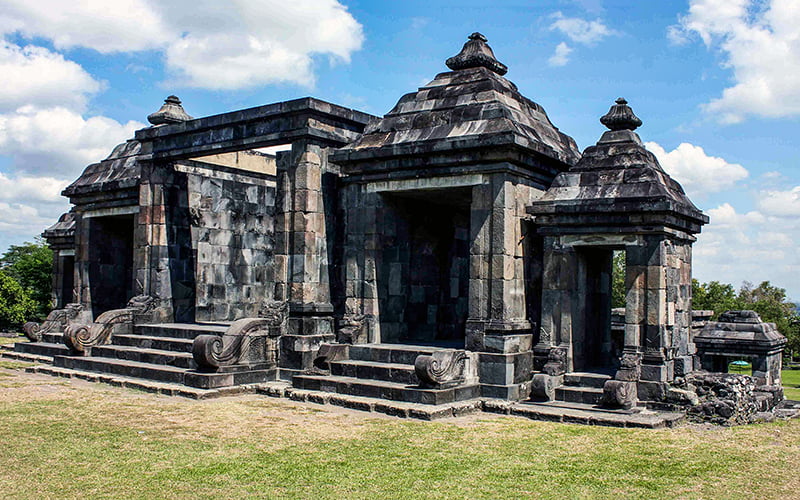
58	142
207	44
35	75
31	189
697	172
561	55
780	203
23	221
581	31
123	25
760	43
753	246
725	216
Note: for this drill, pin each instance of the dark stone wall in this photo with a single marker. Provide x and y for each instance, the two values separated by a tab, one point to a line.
423	275
110	262
233	236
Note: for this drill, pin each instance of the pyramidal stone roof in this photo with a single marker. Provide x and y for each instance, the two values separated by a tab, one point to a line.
474	101
615	182
119	171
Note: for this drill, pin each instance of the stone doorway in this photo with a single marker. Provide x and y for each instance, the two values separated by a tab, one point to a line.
594	348
423	274
110	262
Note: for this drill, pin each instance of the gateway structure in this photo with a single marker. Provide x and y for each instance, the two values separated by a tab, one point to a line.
459	247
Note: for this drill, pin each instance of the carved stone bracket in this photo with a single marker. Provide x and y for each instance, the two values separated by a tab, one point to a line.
248	341
630	368
619	394
544	386
81	338
622	392
353	329
556	362
442	368
56	321
277	315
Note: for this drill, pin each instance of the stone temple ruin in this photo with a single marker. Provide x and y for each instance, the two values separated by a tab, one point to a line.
454	254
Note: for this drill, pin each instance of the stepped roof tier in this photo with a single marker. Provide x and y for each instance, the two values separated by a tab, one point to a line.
471	107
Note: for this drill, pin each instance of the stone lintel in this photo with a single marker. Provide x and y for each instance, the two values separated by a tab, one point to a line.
270	125
429	183
110	212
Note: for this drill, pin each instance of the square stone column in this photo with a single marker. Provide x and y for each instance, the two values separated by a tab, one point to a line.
301	254
497	325
360	273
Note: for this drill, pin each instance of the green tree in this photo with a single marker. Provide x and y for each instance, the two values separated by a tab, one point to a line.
31	265
771	304
16	306
714	296
618	279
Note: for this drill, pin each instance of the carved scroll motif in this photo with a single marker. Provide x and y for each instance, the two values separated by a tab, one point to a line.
352	329
277	315
441	368
56	321
246	341
81	338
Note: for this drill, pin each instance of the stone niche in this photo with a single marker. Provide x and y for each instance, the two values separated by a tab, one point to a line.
739	335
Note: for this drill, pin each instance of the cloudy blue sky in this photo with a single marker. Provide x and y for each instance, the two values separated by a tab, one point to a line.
716	82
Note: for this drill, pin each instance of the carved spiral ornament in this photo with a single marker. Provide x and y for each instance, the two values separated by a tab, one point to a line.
211	352
78	338
440	368
33	331
57	319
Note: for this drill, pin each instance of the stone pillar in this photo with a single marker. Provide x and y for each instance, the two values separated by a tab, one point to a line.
497	325
302	254
162	258
650	316
82	285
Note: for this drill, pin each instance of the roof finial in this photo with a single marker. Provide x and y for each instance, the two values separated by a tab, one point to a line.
171	112
621	117
476	53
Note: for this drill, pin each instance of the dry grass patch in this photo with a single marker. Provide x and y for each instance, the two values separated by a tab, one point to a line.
87	440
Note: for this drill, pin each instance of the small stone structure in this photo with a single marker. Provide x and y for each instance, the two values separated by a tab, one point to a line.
459	247
741	335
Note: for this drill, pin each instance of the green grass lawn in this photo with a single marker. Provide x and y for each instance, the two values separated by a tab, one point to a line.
791	384
65	439
12	340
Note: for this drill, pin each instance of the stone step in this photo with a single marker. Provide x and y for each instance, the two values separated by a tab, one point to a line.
165	388
180	330
389	353
586	395
390	372
384	390
145	355
126	368
42	348
586	379
393	408
578	413
30	358
151	342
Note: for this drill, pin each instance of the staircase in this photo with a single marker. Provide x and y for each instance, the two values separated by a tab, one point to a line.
383	371
582	387
50	346
161	352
